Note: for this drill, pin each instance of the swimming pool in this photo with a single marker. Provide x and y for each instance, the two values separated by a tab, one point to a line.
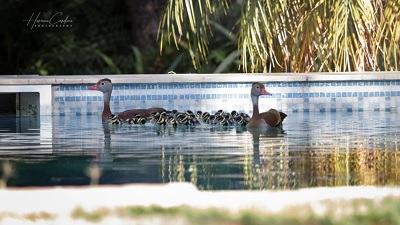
315	149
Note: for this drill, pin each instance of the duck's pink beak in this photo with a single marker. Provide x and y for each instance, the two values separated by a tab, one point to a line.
264	92
94	87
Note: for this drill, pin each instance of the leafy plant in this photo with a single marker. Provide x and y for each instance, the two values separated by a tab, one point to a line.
287	36
187	24
98	42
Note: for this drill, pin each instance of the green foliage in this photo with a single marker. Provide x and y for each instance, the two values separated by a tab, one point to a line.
102	39
203	36
294	36
357	211
195	27
98	42
95	216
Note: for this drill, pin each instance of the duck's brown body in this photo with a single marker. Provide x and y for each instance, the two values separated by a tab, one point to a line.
271	118
105	86
144	113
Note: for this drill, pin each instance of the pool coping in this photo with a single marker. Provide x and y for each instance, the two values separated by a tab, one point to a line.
183	78
24	201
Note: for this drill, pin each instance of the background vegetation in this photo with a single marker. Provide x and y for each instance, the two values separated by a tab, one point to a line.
106	37
295	36
100	41
125	36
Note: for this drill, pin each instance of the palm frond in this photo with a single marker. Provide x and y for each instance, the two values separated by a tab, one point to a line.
295	36
256	35
196	32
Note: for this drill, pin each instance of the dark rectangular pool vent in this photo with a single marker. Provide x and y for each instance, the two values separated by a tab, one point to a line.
8	104
26	100
22	103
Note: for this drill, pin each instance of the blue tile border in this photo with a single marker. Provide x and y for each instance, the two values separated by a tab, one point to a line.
322	96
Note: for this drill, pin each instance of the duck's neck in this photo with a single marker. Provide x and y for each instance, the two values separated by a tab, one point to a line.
106	109
254	99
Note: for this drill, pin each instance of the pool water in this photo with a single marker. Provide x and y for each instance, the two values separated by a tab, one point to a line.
314	149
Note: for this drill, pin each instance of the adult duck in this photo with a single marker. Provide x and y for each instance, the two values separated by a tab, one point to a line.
105	86
271	118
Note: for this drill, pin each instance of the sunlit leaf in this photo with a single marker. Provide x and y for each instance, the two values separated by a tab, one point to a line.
301	36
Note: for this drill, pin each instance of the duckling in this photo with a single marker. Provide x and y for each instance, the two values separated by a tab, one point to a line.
212	120
202	116
205	117
246	117
219	112
140	120
230	119
240	119
171	121
137	119
234	113
198	113
192	119
130	121
182	119
222	120
174	112
159	118
113	119
189	113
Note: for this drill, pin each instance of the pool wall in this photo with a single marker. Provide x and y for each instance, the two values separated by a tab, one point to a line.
210	92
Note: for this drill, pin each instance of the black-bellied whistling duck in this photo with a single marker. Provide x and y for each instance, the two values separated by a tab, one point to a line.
105	86
271	118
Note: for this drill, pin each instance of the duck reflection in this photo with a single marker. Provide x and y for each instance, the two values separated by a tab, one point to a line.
104	156
270	132
103	159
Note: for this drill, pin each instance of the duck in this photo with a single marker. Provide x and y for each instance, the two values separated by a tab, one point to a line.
271	118
105	86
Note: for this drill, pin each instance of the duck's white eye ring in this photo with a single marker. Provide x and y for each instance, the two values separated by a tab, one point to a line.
257	87
102	83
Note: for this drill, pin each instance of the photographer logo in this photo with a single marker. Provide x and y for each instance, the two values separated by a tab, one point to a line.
57	20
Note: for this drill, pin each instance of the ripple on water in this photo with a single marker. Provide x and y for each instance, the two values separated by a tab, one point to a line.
315	149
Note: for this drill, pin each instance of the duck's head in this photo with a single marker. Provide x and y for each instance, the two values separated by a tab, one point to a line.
258	89
103	85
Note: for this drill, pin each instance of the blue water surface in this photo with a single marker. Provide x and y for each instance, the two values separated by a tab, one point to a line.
314	149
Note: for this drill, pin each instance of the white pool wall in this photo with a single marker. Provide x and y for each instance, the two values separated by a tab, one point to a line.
321	92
